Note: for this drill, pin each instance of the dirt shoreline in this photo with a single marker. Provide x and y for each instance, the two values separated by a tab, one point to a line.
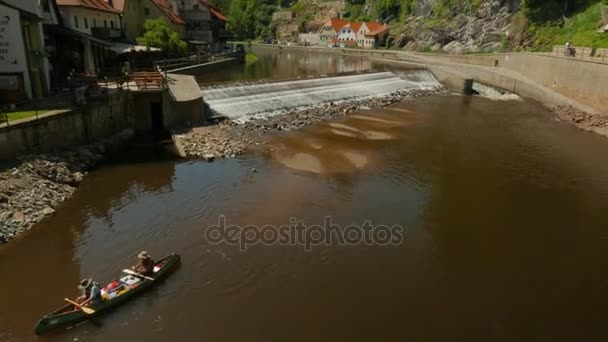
39	183
596	123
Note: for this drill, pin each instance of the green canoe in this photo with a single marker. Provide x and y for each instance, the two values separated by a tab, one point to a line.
68	315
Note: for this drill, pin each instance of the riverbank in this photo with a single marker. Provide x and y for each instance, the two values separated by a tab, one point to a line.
596	123
228	139
30	191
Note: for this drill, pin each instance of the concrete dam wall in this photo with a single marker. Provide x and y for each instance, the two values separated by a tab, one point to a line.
240	102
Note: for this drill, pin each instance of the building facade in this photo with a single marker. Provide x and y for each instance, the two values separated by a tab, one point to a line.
205	24
347	36
136	12
329	30
24	69
370	34
93	17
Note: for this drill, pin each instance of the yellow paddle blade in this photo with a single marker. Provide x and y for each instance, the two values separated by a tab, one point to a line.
84	309
87	310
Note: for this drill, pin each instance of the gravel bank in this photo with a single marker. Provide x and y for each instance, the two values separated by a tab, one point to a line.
229	139
30	191
590	122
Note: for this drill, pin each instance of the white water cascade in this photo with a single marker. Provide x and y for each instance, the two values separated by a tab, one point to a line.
237	102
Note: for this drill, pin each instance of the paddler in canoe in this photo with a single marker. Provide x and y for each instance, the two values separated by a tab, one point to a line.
91	292
145	264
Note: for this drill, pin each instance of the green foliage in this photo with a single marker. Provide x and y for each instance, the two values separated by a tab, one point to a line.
223	5
250	58
157	33
580	30
355	13
251	18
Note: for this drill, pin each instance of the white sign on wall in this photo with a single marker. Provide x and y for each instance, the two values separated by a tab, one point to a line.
12	51
9	29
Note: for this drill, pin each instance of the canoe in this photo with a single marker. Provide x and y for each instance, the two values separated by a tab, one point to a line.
114	293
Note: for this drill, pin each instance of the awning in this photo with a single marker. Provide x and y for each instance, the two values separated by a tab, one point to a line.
120	48
78	35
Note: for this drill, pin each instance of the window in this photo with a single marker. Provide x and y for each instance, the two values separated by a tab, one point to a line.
75	21
195	6
146	11
112	23
86	23
94	22
105	23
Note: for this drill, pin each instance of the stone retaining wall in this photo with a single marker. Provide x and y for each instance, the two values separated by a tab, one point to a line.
96	120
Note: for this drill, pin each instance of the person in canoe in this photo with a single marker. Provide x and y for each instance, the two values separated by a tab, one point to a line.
145	264
91	292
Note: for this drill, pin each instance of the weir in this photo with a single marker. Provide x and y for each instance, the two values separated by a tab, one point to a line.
238	102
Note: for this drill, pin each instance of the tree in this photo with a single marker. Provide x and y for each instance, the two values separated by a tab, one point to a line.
158	34
251	18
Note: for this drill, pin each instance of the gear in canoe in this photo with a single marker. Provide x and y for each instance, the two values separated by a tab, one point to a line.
111	295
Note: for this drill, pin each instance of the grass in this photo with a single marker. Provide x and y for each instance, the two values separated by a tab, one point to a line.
20	114
580	30
250	58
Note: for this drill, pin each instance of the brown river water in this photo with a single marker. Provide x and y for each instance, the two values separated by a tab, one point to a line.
503	210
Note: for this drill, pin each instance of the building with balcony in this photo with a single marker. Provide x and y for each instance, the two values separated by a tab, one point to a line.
205	24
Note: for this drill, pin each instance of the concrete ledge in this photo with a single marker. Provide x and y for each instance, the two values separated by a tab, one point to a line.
197	69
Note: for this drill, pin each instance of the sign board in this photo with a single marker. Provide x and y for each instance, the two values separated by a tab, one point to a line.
10	30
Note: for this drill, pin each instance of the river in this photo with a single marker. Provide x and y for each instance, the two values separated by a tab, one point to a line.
503	212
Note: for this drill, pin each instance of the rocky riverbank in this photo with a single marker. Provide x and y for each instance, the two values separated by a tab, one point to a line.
230	139
39	183
590	122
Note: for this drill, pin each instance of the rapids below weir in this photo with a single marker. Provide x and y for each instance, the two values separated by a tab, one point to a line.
503	210
241	102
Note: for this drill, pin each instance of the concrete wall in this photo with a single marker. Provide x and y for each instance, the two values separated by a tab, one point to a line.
583	81
95	121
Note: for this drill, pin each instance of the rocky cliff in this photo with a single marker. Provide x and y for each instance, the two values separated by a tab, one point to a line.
462	26
464	29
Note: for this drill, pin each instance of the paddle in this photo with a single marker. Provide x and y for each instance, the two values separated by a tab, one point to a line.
84	309
133	273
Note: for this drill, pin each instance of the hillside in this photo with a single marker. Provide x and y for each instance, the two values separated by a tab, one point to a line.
451	26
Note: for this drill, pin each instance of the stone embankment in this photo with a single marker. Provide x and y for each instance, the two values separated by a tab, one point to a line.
30	191
597	123
229	139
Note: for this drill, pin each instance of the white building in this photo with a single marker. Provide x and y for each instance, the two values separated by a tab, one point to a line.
24	69
347	36
93	17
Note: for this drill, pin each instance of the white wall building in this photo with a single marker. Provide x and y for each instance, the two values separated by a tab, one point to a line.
84	16
23	65
348	32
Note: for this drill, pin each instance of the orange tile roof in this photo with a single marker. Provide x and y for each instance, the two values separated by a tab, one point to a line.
372	25
377	31
119	5
163	6
98	5
336	23
214	10
355	26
